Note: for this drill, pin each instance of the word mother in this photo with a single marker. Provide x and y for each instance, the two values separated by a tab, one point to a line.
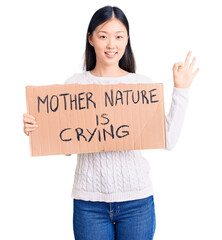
84	100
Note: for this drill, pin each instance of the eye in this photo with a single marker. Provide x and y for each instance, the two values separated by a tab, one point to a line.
103	36
119	37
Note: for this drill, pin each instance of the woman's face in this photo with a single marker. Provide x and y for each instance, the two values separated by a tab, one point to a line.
109	41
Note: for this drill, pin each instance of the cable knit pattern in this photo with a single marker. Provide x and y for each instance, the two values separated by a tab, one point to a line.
122	175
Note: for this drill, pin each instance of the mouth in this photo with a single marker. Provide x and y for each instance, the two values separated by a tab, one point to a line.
110	54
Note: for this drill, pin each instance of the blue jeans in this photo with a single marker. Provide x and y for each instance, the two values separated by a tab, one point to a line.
129	220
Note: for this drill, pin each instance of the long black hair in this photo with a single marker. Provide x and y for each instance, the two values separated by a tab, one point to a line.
103	14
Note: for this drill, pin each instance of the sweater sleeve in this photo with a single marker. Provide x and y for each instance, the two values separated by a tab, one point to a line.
175	118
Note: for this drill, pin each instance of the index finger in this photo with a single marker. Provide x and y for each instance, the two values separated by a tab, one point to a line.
186	63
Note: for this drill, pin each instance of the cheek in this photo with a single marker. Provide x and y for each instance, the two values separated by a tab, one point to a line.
122	45
122	48
99	49
99	46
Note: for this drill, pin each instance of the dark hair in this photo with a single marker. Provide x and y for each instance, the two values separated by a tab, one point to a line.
127	61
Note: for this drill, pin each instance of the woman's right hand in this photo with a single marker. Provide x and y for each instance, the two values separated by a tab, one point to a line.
29	123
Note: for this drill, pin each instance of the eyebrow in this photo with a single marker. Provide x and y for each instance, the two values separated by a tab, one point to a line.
106	32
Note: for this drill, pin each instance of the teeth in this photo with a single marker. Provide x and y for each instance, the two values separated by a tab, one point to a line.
111	53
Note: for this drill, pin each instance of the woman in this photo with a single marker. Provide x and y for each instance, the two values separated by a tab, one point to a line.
112	192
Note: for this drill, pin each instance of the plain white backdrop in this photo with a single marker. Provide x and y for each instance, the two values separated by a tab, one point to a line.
42	42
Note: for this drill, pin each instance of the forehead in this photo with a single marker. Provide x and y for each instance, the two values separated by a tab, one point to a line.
113	25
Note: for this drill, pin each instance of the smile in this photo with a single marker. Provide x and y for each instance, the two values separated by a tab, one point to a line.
110	54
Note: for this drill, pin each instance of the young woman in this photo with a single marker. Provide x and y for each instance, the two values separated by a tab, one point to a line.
112	192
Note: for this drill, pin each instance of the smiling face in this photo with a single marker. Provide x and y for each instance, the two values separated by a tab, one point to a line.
109	41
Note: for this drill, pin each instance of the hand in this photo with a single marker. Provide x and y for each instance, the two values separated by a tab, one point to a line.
183	75
29	123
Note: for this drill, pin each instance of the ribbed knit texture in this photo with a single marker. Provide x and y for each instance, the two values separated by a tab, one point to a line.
122	175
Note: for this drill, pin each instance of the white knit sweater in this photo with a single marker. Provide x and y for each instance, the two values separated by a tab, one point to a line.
122	175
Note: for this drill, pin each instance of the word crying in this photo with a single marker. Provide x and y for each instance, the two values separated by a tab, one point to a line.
69	134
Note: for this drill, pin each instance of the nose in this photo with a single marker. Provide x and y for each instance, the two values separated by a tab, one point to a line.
111	43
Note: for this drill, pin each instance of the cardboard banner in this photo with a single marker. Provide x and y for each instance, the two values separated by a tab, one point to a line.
84	118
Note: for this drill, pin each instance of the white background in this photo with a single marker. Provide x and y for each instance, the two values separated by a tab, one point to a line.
42	43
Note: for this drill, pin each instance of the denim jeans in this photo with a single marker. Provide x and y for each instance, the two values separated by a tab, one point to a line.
128	220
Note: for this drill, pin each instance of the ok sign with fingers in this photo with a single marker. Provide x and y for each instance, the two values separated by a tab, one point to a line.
182	74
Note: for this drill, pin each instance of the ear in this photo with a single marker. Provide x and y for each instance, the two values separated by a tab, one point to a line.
90	39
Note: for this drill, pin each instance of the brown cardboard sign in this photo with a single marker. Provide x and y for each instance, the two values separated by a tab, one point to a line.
84	118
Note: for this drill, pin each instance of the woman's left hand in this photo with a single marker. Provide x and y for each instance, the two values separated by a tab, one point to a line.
182	74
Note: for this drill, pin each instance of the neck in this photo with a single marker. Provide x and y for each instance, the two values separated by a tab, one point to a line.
108	71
